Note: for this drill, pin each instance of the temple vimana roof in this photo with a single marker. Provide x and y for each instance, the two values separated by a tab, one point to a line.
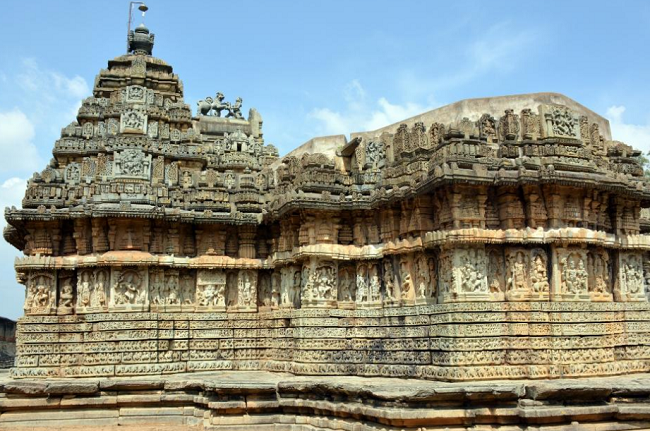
495	238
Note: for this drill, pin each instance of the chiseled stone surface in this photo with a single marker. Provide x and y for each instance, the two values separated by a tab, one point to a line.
279	401
492	239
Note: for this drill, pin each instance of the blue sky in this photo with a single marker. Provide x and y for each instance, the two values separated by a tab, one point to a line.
317	68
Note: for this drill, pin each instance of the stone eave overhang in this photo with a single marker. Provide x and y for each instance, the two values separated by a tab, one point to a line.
339	252
381	196
17	217
136	258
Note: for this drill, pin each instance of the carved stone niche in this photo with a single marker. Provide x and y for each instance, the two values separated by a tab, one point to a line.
346	285
630	283
468	207
171	291
319	283
530	126
416	217
264	291
242	291
129	289
559	122
290	287
41	293
132	163
133	120
368	284
84	288
210	290
526	275
463	275
511	210
392	282
600	275
425	278
210	240
406	272
570	276
496	272
536	214
66	295
92	290
276	288
128	235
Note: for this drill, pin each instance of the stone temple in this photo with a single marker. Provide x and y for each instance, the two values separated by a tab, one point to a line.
492	251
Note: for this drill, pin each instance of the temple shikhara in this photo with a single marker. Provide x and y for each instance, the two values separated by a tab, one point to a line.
491	239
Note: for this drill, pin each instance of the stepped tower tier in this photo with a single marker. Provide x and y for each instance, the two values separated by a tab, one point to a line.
491	238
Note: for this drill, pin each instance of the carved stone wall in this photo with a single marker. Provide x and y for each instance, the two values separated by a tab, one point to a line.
511	245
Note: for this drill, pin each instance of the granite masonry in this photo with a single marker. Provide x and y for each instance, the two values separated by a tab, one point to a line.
499	238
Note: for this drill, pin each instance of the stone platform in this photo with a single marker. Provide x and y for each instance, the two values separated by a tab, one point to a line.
280	401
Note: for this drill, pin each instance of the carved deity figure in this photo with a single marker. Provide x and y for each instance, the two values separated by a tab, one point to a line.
98	298
446	272
66	294
131	162
211	289
423	276
406	288
346	283
600	273
306	283
495	272
362	284
471	272
389	279
632	276
574	274
187	289
374	154
433	282
246	289
84	289
374	283
156	284
127	289
294	288
518	274
42	298
276	286
324	284
39	292
171	290
539	276
563	122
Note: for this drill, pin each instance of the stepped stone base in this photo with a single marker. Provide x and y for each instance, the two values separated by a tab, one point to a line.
279	401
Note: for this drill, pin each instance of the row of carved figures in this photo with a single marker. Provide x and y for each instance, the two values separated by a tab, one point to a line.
456	275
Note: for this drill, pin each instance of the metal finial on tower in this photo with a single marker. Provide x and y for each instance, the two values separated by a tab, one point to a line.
143	8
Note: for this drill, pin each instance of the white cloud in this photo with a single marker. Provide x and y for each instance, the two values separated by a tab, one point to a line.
50	84
46	101
11	194
636	135
496	51
52	97
12	191
16	143
360	115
